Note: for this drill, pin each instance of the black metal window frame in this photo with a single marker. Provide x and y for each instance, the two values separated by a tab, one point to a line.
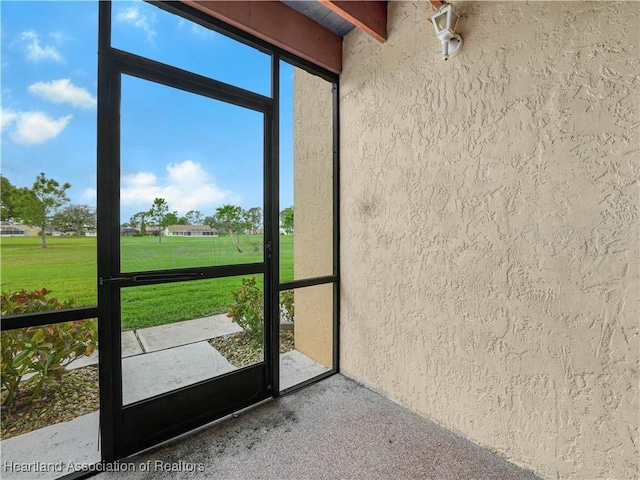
107	57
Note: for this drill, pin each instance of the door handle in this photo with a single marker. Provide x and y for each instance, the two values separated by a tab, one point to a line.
152	277
159	277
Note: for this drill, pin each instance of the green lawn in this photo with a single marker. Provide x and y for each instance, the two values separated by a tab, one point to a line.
68	269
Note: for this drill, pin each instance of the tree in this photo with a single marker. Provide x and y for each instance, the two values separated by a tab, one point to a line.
139	220
286	220
232	218
7	199
253	217
158	215
214	222
75	217
171	218
37	205
194	217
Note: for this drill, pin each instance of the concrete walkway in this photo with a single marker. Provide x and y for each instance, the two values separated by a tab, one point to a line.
160	359
152	339
155	360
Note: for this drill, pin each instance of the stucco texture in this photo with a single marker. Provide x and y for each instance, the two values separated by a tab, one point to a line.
313	214
489	228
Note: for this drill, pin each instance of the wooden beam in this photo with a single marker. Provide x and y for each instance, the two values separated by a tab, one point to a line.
281	26
369	16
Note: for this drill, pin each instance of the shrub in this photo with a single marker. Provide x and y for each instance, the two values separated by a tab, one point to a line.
246	309
287	305
40	352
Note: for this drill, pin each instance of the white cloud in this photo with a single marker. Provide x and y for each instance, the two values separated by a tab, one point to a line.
37	127
132	16
89	196
63	91
37	52
187	186
6	118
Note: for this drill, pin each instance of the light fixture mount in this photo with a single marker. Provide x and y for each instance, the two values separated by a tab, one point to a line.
445	21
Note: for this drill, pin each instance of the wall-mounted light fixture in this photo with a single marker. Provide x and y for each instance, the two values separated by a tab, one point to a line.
445	21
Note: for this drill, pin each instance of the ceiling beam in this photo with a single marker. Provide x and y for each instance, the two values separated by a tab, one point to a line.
281	26
369	16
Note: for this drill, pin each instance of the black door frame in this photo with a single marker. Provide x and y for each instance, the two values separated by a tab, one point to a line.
118	422
145	423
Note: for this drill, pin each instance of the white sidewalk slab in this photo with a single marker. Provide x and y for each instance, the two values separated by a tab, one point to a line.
151	374
130	344
51	448
130	347
183	333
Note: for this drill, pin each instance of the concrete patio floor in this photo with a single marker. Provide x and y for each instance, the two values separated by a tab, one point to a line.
335	429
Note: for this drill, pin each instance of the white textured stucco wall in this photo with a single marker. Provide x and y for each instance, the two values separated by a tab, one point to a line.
313	213
490	239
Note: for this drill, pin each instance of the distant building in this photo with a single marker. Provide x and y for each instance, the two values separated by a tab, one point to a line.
19	230
190	231
11	231
128	231
52	232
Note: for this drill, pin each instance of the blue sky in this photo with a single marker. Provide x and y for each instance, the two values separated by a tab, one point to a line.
195	152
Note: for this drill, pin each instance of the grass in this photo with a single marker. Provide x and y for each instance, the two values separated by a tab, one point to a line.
68	268
145	253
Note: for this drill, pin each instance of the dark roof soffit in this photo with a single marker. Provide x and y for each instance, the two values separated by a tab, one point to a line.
317	12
